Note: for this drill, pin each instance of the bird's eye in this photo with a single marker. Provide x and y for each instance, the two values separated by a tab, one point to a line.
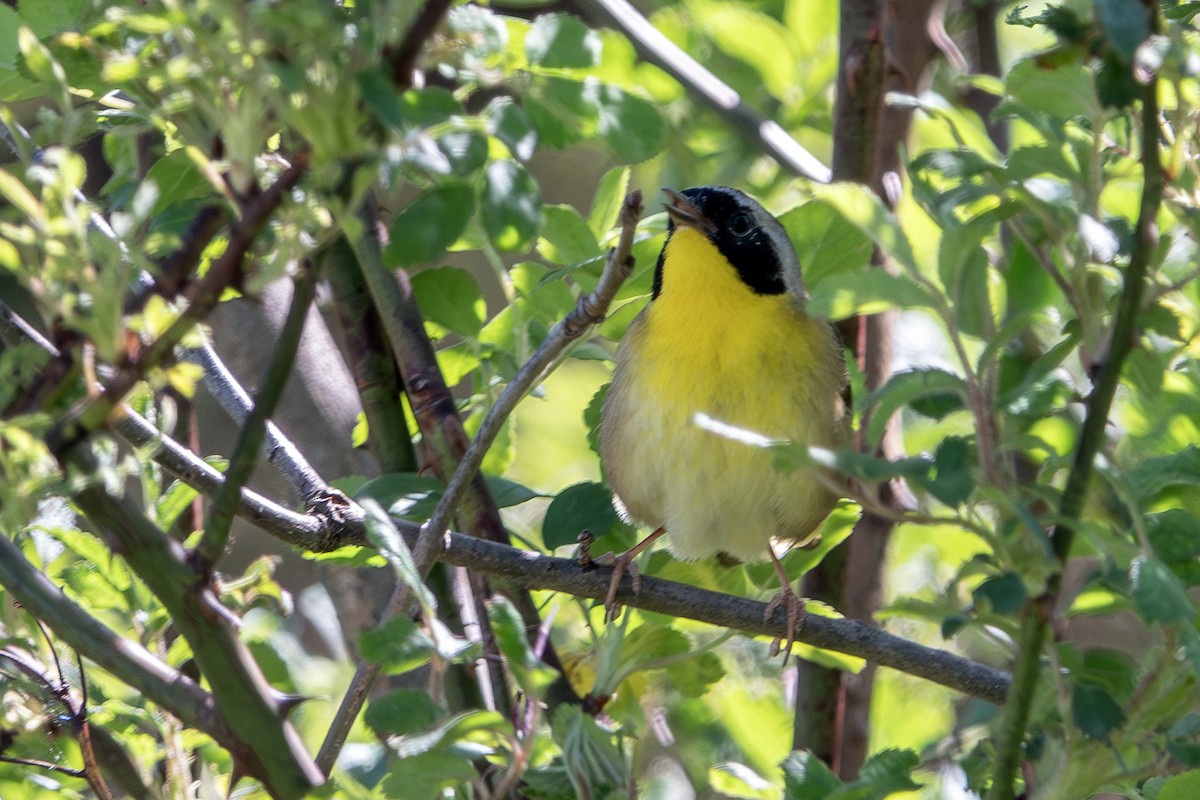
741	224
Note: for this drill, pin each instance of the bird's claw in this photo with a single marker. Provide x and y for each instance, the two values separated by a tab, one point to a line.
794	607
620	565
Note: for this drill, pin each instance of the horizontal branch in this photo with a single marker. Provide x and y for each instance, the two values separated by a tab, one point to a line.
536	571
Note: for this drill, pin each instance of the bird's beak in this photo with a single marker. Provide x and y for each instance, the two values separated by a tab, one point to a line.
683	212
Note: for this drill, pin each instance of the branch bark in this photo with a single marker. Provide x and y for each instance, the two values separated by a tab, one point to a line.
821	695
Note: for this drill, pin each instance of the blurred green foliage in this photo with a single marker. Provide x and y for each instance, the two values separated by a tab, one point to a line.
499	176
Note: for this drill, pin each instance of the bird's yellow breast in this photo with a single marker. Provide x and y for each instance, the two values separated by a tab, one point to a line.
709	344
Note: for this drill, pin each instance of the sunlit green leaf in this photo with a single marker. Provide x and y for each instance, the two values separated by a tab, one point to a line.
565	237
510	205
561	40
450	297
428	225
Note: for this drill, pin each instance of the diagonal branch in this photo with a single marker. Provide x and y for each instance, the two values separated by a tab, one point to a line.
1092	437
254	429
202	296
657	49
128	661
265	744
233	397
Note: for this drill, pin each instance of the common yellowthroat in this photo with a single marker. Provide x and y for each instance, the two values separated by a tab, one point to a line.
725	334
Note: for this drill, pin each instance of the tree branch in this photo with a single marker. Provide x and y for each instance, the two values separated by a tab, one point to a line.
202	296
265	745
657	49
370	360
128	661
536	571
254	429
1092	437
280	451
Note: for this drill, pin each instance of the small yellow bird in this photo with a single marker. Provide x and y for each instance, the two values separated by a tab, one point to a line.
725	335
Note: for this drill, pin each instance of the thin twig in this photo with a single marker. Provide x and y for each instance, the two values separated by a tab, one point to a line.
234	398
589	311
254	429
403	59
657	49
202	296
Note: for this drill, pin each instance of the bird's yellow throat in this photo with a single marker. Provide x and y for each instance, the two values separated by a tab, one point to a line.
705	318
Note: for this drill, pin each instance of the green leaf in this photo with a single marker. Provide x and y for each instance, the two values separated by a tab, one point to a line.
1158	595
754	38
1156	474
511	124
1094	710
1173	539
561	41
427	775
885	773
382	533
805	777
450	297
865	210
48	17
380	96
951	481
510	205
398	645
176	178
530	672
631	126
904	388
15	192
9	49
1125	24
564	237
607	202
1184	786
1003	594
402	711
849	294
174	501
826	242
1061	90
584	506
428	225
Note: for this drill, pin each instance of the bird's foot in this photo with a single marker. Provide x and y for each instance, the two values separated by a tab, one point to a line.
620	565
794	607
